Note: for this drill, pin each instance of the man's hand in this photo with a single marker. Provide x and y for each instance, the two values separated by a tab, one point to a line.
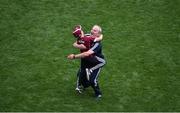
71	56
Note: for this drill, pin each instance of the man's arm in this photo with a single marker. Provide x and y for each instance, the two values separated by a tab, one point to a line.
91	51
79	46
98	38
81	55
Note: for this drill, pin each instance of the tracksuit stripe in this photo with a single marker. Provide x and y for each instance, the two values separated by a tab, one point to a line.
95	80
100	64
94	47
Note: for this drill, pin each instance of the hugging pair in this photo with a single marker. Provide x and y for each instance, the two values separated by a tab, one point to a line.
92	59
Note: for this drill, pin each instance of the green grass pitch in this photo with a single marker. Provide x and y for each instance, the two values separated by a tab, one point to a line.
141	45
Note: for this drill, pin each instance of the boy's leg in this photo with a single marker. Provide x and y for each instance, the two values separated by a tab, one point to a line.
85	83
78	84
82	75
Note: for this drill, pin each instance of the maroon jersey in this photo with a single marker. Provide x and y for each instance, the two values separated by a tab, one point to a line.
87	41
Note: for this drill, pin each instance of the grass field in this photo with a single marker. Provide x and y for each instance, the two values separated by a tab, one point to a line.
141	44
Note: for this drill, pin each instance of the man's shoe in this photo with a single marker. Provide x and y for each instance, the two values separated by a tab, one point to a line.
98	97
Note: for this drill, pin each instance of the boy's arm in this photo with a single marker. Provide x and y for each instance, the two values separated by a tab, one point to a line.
79	46
98	38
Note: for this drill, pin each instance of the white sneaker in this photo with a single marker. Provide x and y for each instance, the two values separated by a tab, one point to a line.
99	96
78	90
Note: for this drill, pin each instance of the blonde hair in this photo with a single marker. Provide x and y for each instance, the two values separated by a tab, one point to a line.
99	28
